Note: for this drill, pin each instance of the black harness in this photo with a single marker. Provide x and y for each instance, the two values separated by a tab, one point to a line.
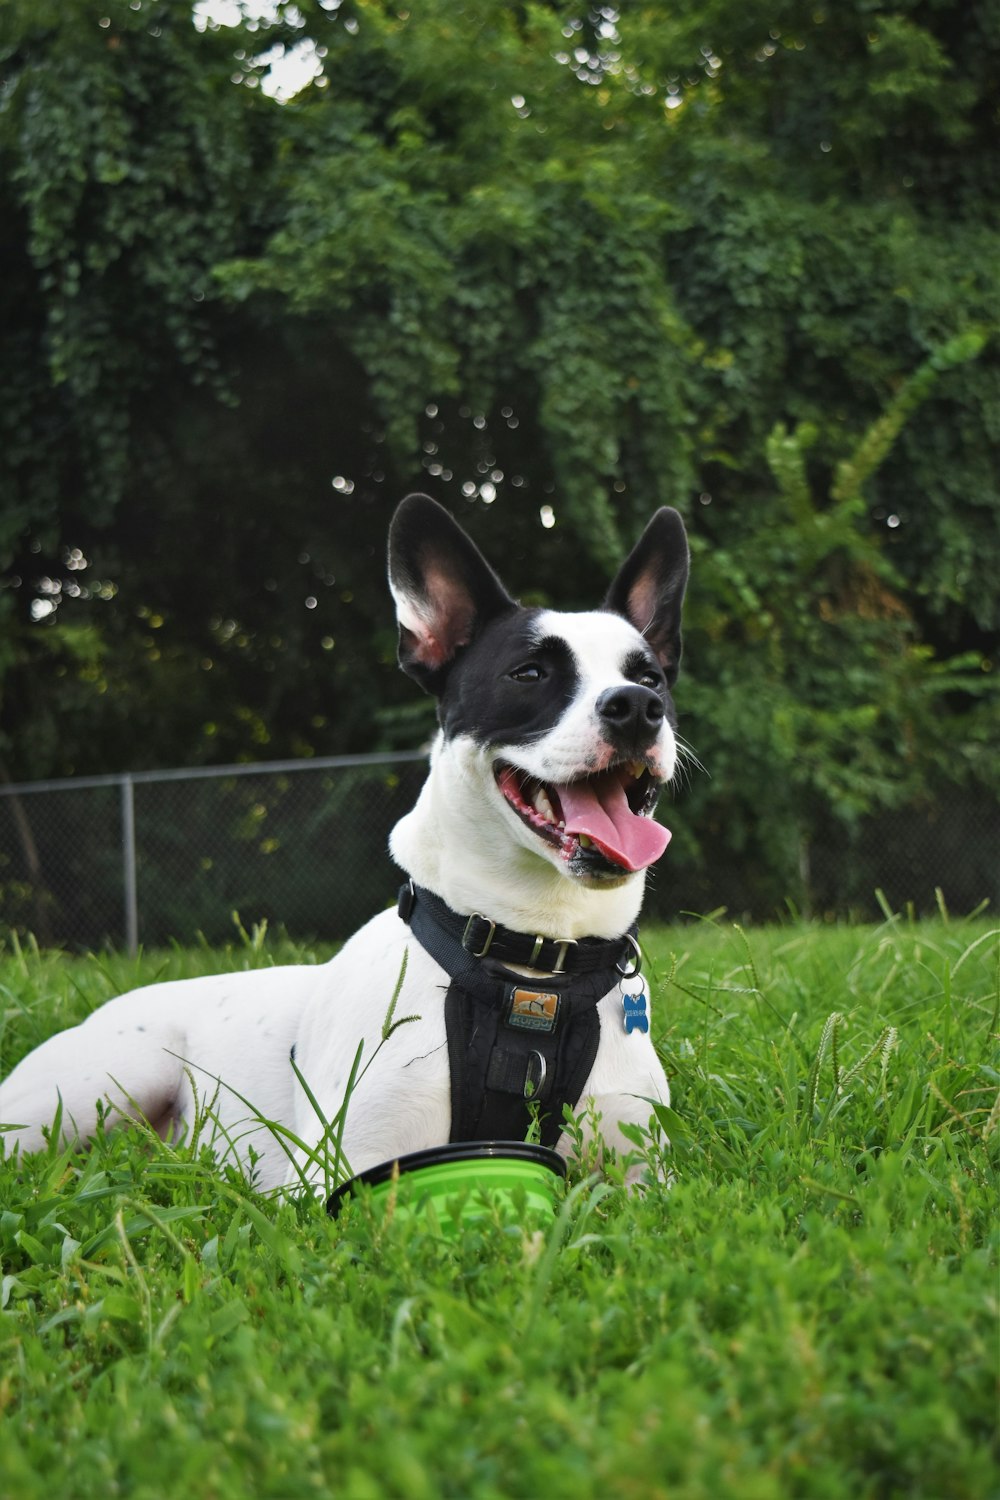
517	1047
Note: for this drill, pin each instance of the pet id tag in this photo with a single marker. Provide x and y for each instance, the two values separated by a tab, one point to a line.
634	1012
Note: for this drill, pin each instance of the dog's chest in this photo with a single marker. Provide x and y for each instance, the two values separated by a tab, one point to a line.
403	1091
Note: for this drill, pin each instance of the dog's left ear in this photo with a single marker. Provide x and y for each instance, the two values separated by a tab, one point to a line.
445	590
649	588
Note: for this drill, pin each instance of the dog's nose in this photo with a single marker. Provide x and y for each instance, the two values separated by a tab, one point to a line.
631	715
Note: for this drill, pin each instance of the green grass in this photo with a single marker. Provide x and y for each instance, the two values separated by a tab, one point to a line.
810	1311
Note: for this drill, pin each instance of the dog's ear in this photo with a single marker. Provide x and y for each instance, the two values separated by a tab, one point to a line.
445	590
649	588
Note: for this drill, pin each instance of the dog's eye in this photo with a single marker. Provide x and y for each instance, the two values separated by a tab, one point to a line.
649	679
529	671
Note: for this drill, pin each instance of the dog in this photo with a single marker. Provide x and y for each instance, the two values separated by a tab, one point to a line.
505	985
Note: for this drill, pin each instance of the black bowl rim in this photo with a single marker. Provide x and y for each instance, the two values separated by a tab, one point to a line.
436	1156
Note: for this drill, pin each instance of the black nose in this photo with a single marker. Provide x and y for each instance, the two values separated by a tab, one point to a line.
630	716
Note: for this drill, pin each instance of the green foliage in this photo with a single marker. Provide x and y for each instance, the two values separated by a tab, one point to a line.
118	222
832	682
558	267
807	1311
878	442
477	248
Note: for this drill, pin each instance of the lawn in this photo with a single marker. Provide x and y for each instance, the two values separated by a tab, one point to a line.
810	1310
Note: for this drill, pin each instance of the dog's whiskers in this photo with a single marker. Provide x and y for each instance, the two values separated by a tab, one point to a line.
687	762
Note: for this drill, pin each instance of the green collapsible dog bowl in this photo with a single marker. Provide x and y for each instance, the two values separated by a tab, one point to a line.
463	1183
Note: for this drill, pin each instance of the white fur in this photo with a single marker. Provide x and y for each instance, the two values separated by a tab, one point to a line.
600	642
159	1052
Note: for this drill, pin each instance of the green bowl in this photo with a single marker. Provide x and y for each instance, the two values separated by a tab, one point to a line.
463	1183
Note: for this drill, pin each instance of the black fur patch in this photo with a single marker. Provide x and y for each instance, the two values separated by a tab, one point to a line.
494	695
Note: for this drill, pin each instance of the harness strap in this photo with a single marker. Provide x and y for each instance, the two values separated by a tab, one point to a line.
516	1046
483	938
500	1078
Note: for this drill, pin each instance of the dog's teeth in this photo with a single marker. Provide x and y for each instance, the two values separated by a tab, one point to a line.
544	806
637	767
585	842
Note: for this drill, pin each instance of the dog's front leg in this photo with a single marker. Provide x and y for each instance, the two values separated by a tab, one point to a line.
626	1081
400	1106
373	1055
599	1119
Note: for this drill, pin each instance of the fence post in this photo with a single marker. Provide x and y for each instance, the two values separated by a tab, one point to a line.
128	857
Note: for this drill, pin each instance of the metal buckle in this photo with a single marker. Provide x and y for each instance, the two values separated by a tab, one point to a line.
478	917
407	901
562	944
631	973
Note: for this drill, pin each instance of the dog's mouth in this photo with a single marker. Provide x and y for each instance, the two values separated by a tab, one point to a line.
600	820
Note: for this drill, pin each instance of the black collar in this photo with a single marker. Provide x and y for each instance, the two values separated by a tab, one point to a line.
482	938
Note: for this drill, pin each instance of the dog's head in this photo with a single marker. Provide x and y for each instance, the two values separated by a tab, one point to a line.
563	722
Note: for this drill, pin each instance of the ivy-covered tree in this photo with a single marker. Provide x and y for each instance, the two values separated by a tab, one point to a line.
160	458
747	268
558	266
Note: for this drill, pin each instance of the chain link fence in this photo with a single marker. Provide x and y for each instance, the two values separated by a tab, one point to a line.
169	856
157	857
940	856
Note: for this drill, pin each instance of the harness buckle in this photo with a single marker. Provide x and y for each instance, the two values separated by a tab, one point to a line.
562	944
466	941
406	901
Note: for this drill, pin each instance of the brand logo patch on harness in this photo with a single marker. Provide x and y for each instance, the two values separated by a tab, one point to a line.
532	1010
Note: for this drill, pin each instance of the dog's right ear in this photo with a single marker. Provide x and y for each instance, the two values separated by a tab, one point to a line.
445	590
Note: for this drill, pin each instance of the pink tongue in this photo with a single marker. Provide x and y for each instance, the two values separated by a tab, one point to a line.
599	808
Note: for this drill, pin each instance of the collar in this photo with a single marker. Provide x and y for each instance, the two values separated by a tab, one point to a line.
481	938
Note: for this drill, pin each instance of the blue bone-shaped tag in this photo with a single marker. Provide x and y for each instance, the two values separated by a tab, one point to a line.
634	1007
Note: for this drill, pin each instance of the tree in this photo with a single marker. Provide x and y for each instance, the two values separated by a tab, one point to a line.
158	495
558	267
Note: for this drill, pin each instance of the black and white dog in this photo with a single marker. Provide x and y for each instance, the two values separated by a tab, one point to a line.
512	953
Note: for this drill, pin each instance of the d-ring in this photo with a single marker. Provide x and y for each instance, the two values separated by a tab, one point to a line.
532	1090
631	973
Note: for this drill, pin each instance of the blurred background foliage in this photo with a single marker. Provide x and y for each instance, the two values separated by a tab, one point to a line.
555	266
